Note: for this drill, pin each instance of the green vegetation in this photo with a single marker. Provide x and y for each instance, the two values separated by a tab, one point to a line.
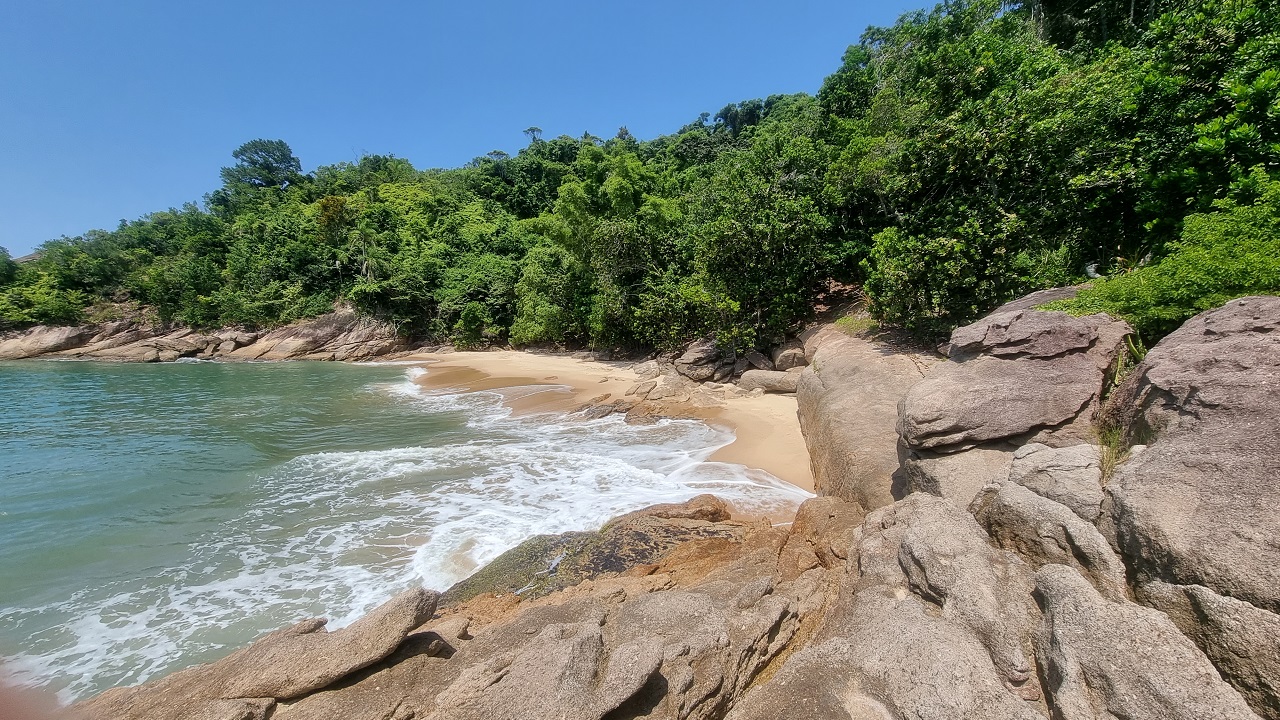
1229	253
964	156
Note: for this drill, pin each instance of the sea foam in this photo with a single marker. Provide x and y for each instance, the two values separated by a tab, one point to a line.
335	534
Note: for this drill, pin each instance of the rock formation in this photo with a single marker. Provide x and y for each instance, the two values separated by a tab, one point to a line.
341	335
1016	581
1017	376
848	406
1197	514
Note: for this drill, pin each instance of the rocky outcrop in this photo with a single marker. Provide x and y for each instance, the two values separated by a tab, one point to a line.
284	664
1022	374
339	335
788	355
336	336
42	340
937	625
1017	376
847	399
1197	510
672	629
770	381
699	361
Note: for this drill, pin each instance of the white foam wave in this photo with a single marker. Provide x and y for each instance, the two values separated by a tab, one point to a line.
337	533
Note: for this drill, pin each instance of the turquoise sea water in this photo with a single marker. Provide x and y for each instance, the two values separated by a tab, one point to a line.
157	516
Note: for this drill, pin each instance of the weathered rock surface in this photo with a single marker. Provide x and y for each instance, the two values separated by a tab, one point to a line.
336	336
814	336
42	340
771	381
848	405
758	360
1199	507
1014	374
546	563
1070	475
1242	641
699	361
957	476
937	626
1045	532
284	664
1104	659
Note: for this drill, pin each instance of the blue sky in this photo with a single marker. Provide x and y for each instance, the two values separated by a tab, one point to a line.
110	110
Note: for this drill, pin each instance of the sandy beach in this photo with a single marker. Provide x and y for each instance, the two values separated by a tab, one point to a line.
766	429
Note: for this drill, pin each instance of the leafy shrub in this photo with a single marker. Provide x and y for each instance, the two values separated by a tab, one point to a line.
41	301
1226	254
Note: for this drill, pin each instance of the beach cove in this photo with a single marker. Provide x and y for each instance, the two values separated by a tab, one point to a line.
218	500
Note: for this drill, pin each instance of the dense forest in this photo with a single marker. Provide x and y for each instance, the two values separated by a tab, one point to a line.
964	156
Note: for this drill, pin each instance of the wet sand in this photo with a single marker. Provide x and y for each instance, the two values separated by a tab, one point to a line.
766	429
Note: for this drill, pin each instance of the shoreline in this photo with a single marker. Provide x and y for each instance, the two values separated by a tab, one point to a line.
766	428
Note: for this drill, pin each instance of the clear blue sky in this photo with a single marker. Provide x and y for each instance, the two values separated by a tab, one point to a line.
110	110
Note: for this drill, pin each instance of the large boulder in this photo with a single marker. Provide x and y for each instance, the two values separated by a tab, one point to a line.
546	563
757	360
788	355
1199	506
679	632
848	404
699	361
770	381
1014	375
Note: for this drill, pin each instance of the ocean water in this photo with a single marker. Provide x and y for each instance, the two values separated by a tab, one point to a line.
154	517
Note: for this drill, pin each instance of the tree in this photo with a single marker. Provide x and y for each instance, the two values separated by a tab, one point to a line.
534	133
262	164
8	268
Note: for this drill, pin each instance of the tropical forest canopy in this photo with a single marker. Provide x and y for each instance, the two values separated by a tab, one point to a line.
964	156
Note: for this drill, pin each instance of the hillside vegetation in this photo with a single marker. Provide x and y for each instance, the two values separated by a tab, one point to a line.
965	155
